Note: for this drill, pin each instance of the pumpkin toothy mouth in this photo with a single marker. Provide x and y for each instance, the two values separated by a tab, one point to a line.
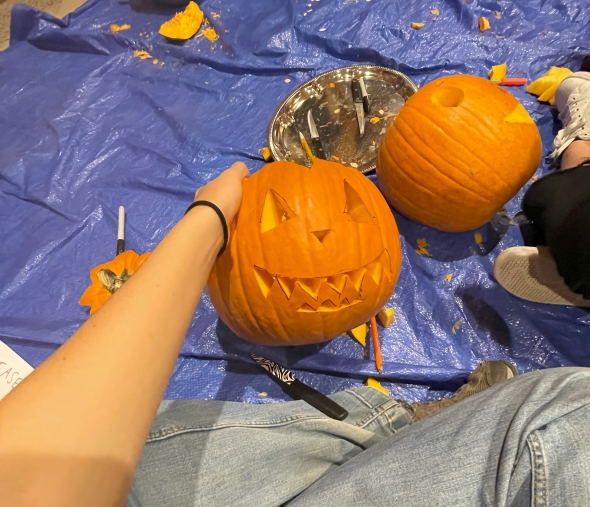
327	293
328	306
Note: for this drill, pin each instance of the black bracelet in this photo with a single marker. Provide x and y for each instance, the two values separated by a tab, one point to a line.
221	217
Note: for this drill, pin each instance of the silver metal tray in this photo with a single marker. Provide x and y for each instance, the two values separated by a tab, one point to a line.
329	95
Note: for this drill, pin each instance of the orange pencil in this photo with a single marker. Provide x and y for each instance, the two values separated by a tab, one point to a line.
376	346
514	81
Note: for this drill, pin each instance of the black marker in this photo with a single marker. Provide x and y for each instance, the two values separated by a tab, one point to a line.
121	231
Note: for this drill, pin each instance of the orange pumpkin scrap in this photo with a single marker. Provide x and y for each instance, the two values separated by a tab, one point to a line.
459	149
386	317
371	382
107	278
211	34
483	23
360	334
546	86
119	28
315	252
184	24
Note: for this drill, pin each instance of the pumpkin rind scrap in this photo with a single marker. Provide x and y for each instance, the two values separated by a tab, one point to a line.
458	151
315	252
184	24
122	267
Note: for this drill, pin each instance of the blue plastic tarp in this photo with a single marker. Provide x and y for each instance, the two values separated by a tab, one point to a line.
86	127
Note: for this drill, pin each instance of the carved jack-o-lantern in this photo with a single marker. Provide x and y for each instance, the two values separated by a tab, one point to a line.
315	252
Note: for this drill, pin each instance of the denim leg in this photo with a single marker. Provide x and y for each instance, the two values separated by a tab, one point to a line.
525	442
211	453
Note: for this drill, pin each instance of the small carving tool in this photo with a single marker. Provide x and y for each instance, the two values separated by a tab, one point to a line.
514	81
318	148
300	391
376	346
306	147
366	103
357	98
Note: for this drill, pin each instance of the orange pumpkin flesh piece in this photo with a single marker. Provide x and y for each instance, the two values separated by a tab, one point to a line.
315	252
97	294
184	24
458	151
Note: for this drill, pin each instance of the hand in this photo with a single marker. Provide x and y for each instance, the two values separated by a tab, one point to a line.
225	191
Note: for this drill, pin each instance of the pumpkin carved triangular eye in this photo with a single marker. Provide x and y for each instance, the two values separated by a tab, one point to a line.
275	211
518	115
356	209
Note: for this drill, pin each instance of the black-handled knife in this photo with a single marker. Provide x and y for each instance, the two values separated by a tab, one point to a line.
366	103
300	391
357	98
316	143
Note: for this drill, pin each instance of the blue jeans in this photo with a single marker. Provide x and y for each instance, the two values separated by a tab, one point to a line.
524	442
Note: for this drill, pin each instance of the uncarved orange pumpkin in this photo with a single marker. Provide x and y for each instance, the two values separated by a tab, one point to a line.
315	252
460	148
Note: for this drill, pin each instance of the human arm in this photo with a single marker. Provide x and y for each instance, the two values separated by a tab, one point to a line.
72	432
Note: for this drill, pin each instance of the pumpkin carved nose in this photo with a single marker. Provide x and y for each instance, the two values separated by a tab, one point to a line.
321	234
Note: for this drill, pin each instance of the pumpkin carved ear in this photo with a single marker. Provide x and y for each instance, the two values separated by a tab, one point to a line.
275	211
355	208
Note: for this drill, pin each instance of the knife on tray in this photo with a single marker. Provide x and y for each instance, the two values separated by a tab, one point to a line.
366	103
316	142
357	98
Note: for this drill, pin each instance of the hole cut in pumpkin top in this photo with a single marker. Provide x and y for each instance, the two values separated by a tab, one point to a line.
448	96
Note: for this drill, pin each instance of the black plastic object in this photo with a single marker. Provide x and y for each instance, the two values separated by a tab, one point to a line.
221	217
300	391
317	147
120	246
357	94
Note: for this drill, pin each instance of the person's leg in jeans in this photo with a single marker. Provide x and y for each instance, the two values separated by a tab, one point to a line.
213	453
524	442
554	267
478	452
222	453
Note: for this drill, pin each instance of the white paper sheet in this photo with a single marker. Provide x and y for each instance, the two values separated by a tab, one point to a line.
13	369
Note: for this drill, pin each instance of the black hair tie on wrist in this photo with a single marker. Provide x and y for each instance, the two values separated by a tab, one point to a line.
221	217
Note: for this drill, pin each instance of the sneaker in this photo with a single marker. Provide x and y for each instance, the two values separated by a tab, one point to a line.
485	375
531	273
572	99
